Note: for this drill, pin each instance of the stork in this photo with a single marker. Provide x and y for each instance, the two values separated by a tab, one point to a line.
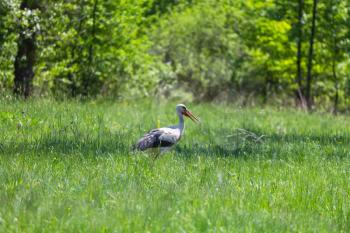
166	137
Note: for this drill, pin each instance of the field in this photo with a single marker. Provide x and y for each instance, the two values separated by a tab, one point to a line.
67	167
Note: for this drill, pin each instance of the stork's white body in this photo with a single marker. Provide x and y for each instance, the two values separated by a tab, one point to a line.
171	134
165	138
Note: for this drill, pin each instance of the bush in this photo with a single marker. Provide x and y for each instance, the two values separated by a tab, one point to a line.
200	49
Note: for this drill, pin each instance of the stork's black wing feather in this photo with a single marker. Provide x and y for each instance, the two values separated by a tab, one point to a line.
152	140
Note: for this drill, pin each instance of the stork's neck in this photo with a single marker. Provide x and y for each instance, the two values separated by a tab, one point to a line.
181	124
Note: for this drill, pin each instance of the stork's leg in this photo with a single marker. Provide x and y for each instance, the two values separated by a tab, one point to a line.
156	156
154	153
159	151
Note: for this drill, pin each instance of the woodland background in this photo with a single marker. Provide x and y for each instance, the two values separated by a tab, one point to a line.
246	51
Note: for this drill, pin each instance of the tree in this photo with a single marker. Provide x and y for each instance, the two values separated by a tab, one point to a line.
7	45
310	55
299	78
333	39
26	51
209	49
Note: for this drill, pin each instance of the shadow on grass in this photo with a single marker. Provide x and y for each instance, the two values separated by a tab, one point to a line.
218	150
69	145
310	137
120	144
323	139
257	144
237	145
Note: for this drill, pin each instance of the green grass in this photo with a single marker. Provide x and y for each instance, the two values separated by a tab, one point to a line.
67	167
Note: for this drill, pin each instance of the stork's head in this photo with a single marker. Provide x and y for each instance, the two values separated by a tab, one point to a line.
181	109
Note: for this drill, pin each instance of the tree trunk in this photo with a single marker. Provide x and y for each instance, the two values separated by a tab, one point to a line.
299	78
25	59
310	56
334	64
93	33
336	97
89	76
267	85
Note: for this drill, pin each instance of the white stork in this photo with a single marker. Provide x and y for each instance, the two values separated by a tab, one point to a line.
166	137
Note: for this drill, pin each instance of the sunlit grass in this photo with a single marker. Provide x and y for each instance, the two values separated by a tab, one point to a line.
67	167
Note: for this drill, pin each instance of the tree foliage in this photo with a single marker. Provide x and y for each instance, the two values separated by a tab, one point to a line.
205	49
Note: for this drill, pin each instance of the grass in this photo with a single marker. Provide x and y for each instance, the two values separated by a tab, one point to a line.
67	167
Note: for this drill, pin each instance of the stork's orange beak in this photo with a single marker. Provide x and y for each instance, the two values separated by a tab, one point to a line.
191	116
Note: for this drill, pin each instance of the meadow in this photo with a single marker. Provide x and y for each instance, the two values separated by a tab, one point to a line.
67	167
